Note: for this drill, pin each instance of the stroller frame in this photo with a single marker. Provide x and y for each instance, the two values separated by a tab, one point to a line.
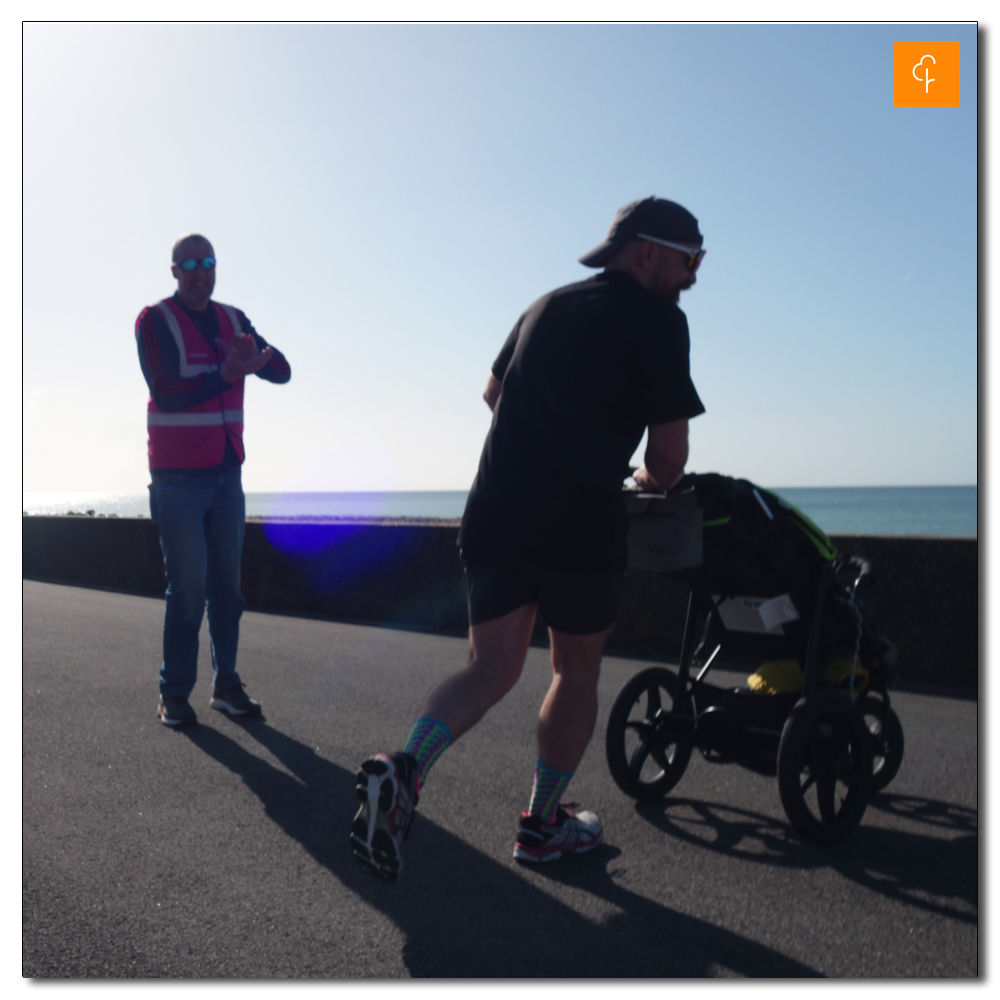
830	748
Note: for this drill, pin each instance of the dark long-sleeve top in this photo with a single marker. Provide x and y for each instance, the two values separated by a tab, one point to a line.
160	359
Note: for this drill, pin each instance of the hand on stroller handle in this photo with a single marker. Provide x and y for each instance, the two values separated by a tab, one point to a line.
631	486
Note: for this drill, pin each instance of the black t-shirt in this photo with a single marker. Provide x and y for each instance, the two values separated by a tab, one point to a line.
585	370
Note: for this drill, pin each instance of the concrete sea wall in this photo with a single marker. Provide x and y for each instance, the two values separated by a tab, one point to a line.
409	575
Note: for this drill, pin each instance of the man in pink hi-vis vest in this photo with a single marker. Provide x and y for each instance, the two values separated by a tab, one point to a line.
195	354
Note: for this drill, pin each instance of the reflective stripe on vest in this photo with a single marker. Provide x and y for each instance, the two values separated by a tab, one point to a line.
233	318
194	419
186	370
190	370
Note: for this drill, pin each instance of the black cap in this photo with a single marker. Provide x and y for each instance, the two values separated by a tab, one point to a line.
652	216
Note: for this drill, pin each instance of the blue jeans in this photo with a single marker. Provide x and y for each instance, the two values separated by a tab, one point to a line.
202	519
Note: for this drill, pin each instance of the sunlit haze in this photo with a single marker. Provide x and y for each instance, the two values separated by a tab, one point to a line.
384	202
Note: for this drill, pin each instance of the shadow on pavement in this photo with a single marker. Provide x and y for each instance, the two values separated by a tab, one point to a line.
939	874
465	915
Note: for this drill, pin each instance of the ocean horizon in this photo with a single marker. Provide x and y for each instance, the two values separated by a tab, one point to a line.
858	510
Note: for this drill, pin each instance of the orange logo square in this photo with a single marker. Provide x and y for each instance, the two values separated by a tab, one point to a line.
925	74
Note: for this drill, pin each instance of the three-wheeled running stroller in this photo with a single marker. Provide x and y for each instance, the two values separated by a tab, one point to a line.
768	591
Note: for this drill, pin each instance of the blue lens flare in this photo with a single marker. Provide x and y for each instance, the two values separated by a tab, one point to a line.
360	550
333	557
401	574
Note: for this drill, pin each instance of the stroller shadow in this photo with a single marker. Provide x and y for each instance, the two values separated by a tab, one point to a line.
523	932
933	873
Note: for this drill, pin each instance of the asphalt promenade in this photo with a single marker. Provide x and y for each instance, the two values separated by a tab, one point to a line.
222	851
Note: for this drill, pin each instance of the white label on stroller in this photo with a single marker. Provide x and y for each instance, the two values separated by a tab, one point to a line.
777	611
743	614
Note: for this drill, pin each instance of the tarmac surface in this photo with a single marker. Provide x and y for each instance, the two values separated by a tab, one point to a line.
222	851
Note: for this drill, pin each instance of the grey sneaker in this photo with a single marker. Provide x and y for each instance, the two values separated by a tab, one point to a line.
235	701
572	832
176	710
387	787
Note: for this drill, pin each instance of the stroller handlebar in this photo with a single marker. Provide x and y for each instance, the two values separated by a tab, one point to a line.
683	483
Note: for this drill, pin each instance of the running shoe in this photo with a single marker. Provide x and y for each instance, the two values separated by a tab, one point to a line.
235	701
571	832
176	710
387	788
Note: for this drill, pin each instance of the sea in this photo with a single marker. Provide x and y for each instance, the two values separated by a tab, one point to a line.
848	510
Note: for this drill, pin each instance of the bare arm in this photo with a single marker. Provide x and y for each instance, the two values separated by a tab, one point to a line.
666	456
492	391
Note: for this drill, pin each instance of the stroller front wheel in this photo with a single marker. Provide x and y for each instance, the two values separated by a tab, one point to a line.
650	735
825	767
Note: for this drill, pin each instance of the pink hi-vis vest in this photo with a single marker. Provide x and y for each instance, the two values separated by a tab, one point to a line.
195	437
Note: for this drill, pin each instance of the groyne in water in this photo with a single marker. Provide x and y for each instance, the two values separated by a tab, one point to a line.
409	575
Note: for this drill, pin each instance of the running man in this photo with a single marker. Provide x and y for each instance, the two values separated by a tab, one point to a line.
585	371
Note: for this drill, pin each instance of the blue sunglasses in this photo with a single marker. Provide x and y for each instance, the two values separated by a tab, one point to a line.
189	264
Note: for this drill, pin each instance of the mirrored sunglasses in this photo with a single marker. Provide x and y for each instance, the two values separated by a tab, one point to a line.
189	264
693	258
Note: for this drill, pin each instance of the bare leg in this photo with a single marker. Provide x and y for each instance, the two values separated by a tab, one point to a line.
569	712
497	650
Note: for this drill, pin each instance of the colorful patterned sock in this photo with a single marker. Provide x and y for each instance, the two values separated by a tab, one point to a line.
429	738
549	786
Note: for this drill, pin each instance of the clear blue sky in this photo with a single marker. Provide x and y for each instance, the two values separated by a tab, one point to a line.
386	200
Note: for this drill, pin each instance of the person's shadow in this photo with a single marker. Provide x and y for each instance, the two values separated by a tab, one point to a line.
466	916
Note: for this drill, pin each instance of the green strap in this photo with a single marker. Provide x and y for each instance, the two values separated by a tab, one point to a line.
816	535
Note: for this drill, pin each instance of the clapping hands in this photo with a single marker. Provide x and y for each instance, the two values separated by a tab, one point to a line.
243	358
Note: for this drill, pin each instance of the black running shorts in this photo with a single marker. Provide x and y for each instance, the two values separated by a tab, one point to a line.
577	604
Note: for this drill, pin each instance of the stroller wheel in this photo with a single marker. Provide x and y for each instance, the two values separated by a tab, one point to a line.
650	735
825	767
887	741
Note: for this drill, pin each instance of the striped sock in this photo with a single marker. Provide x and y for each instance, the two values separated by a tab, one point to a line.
429	738
549	786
